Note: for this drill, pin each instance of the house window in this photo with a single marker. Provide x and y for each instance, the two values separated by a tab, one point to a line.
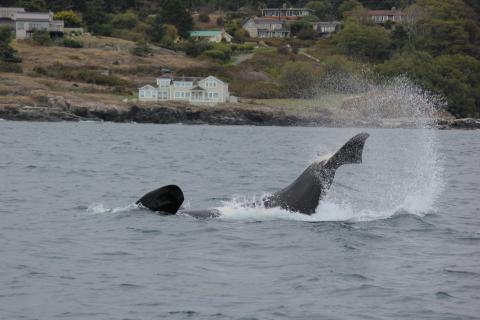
21	25
211	83
142	94
212	95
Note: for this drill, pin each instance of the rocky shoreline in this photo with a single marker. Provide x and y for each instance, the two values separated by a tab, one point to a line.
59	109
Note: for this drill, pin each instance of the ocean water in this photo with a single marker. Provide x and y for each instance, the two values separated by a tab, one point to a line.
397	237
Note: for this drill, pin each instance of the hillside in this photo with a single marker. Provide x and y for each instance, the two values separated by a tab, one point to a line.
76	73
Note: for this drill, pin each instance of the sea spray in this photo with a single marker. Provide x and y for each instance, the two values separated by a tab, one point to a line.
400	174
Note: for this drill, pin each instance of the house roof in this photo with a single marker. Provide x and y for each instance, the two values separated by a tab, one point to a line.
328	23
205	33
257	20
285	9
197	88
385	13
148	87
35	16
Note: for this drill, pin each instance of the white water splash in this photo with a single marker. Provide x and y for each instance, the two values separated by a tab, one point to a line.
398	175
99	208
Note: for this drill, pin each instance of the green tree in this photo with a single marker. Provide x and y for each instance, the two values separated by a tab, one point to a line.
7	53
157	32
299	25
33	5
349	5
126	20
69	17
455	77
363	41
174	12
95	13
444	27
321	8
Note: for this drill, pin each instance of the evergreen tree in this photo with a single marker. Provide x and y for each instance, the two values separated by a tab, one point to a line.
174	12
158	29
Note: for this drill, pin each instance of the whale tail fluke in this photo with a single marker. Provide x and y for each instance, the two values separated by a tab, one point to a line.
350	153
166	200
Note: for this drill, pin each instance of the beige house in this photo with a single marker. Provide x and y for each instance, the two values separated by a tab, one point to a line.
267	28
209	90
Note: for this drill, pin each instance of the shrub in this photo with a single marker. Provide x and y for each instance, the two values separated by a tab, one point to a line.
220	21
194	49
102	29
240	35
203	17
299	79
214	54
41	38
142	49
69	17
72	43
127	20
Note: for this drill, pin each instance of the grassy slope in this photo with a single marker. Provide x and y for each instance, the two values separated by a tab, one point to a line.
101	54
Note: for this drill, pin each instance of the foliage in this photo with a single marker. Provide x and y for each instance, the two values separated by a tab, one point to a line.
299	25
33	5
175	13
307	34
194	48
41	38
444	27
220	22
157	31
69	17
214	54
102	29
72	43
349	5
363	41
299	79
142	49
322	8
7	53
240	35
127	20
456	77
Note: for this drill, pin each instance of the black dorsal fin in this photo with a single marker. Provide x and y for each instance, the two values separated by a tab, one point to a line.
167	199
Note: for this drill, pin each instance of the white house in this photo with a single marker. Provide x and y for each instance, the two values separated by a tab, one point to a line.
327	27
28	22
209	90
211	35
7	15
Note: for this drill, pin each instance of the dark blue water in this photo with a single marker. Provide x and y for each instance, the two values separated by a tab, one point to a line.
397	237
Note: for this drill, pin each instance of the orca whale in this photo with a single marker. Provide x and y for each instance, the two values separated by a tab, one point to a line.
302	195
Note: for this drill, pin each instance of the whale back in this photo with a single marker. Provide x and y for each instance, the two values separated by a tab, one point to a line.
304	194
